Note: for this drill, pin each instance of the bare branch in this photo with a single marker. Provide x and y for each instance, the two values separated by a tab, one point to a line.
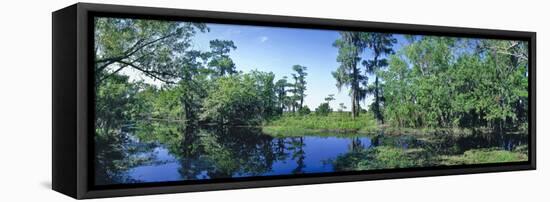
130	52
153	74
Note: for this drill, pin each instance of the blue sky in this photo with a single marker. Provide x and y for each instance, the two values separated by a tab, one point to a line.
274	49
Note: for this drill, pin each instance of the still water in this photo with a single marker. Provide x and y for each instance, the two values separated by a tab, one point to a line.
162	153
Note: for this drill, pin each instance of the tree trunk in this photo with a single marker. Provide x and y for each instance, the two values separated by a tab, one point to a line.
353	105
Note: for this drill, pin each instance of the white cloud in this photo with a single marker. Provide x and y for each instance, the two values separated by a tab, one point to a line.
263	39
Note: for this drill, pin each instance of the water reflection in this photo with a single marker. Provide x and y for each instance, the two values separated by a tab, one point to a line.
158	152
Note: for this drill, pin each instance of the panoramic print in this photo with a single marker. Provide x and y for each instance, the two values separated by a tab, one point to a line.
186	101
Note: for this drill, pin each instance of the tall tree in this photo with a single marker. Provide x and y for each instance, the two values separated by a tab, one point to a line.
431	58
329	98
233	100
399	105
158	50
192	87
281	91
350	46
264	82
380	45
299	83
508	65
145	46
220	60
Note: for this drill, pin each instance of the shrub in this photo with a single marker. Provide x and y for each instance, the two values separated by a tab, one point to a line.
323	109
304	110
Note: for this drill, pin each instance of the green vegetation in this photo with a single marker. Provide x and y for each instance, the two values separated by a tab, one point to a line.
240	100
382	157
380	45
334	122
299	87
437	89
430	82
478	156
323	109
434	82
348	74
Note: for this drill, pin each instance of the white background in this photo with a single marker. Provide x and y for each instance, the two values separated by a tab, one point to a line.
25	102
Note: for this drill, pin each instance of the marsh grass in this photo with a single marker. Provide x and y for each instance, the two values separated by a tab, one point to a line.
341	123
479	156
383	157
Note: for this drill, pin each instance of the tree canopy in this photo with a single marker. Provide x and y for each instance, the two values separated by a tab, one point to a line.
429	81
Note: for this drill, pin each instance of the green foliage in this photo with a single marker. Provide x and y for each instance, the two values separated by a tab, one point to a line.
380	44
333	122
241	99
350	46
264	85
443	82
304	110
281	90
233	100
220	60
431	82
323	109
389	157
430	85
116	104
400	108
147	46
479	156
299	86
330	98
382	157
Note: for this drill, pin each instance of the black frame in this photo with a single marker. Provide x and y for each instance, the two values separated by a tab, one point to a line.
73	100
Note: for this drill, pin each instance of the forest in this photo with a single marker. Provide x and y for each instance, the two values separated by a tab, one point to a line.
396	84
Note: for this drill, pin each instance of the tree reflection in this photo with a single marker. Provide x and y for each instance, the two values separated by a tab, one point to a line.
117	152
298	154
215	152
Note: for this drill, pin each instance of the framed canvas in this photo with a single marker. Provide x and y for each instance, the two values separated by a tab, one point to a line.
155	100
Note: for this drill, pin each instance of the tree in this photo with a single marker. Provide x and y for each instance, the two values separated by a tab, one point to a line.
233	100
297	145
431	58
240	99
281	92
299	84
304	110
380	45
116	104
147	46
342	107
444	82
181	101
193	86
329	98
323	109
350	46
219	57
400	109
264	83
507	63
